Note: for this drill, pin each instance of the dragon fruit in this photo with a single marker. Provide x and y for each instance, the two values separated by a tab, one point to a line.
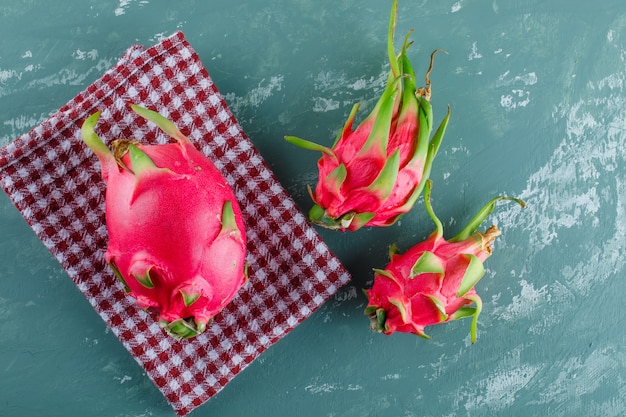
176	234
433	282
374	174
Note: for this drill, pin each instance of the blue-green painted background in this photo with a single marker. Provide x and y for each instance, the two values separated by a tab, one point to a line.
536	90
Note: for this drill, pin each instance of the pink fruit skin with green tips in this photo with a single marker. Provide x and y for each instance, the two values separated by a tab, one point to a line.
374	174
176	234
433	282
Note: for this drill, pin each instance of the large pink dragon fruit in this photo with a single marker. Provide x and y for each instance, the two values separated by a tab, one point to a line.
176	234
433	282
373	175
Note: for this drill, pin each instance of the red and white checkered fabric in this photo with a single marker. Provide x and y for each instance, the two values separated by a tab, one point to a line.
54	180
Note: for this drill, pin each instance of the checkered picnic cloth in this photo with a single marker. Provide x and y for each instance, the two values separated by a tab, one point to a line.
54	180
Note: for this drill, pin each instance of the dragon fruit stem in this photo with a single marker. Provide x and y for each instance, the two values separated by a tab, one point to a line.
426	91
429	209
482	215
478	308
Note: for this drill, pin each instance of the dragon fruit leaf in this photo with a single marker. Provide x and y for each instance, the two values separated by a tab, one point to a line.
335	179
409	203
428	262
311	193
393	251
311	146
143	167
481	216
425	118
473	273
383	272
386	274
139	160
422	334
383	184
479	306
433	147
376	144
410	103
144	279
425	146
164	124
421	109
229	225
377	317
93	141
228	235
369	310
317	215
182	328
351	220
391	52
361	219
434	144
345	221
394	219
118	275
406	67
380	322
399	305
462	313
440	306
348	125
189	298
245	270
201	326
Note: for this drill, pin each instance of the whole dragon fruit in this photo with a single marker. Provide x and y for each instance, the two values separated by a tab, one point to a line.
373	175
176	234
433	282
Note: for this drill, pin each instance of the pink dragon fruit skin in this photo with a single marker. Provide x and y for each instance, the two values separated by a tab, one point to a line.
374	174
433	282
176	234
